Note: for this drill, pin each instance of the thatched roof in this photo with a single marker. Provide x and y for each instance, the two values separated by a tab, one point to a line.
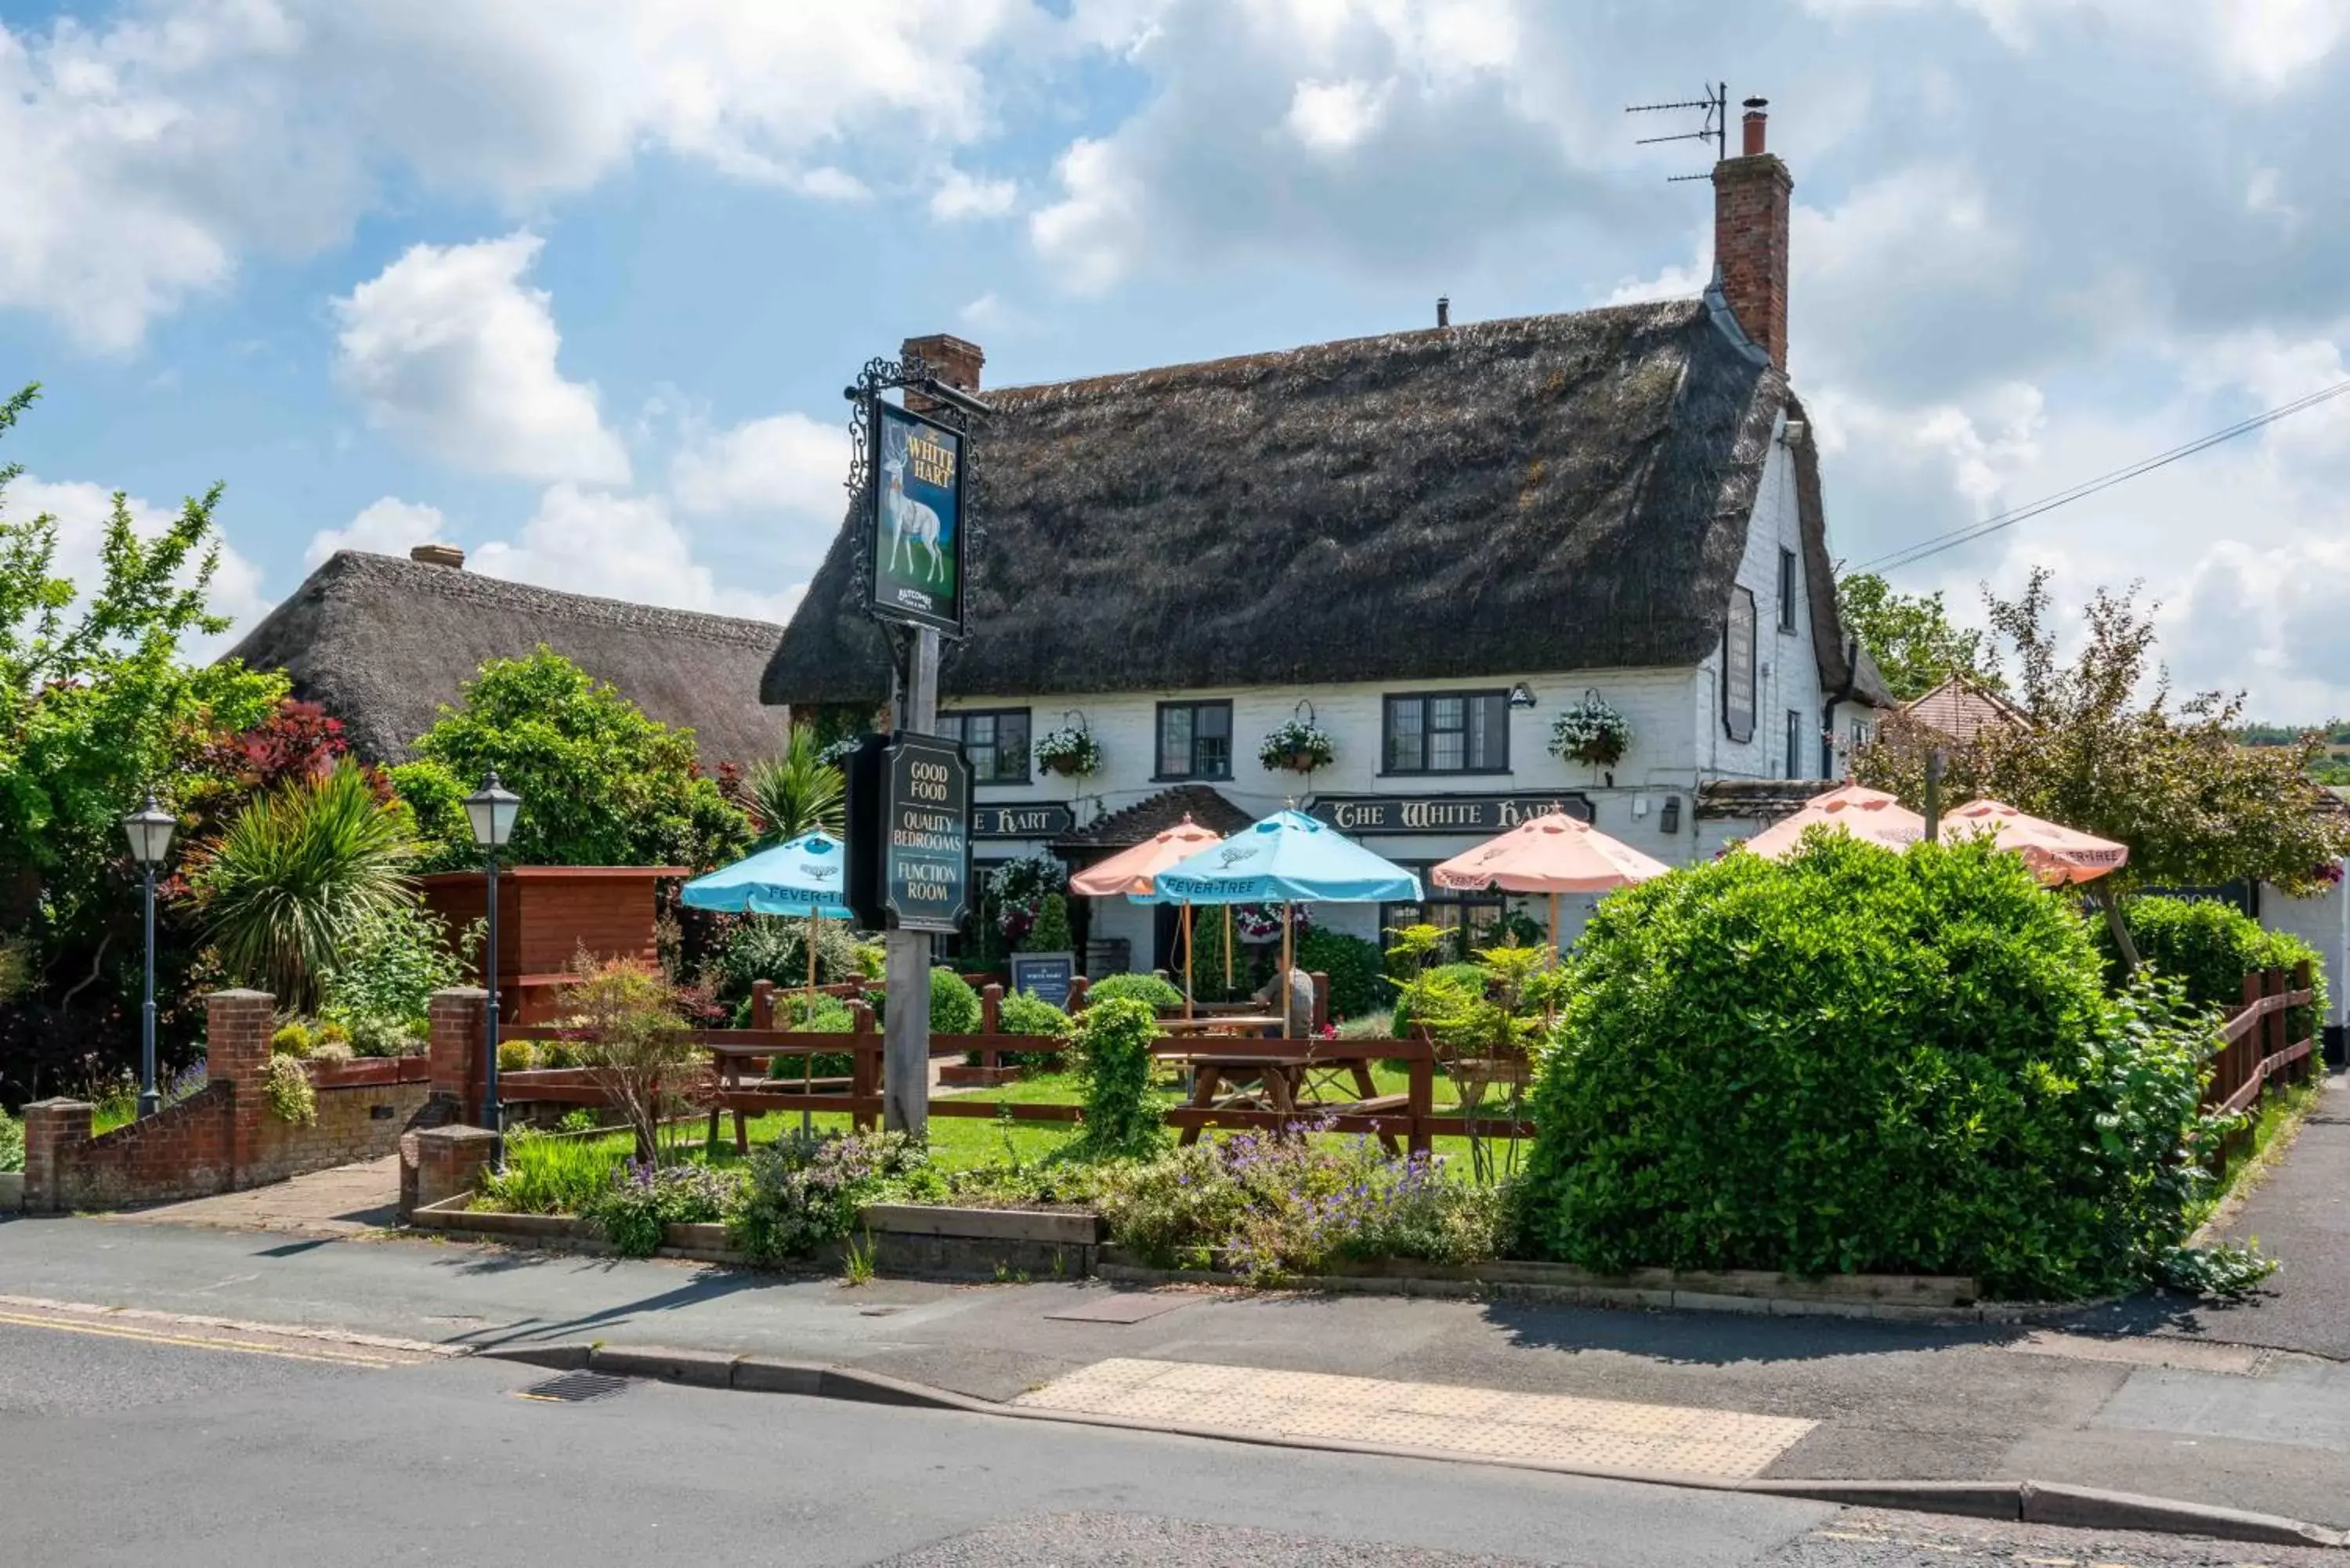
1154	814
1553	493
383	642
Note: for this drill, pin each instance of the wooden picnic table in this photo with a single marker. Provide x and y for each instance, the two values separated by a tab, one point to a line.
1224	1023
1227	1074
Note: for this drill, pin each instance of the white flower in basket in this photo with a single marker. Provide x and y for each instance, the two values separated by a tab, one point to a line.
1070	750
1591	733
1300	746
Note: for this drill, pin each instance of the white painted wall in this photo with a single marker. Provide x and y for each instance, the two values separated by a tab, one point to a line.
2324	922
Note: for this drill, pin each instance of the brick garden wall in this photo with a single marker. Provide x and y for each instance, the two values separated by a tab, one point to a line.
225	1136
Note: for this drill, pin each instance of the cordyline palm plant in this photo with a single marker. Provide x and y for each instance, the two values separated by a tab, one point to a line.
797	792
295	871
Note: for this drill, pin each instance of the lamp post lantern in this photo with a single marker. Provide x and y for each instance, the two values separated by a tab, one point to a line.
150	831
491	811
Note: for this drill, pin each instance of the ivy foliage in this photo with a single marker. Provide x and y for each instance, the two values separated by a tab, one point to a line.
1851	1061
1113	1050
601	784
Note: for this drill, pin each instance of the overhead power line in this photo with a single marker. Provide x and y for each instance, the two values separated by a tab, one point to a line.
1911	554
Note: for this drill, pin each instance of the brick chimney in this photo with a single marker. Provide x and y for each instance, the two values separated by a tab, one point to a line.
1750	235
950	359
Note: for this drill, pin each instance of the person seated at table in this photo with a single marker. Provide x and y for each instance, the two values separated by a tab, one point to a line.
1298	1021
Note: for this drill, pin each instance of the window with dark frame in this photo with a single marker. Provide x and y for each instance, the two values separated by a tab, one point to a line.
1460	915
1795	743
1447	733
1195	739
995	740
1786	590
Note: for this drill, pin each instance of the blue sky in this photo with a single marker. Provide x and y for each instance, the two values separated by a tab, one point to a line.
577	285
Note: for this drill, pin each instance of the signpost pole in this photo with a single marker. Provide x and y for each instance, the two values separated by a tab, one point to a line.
906	1031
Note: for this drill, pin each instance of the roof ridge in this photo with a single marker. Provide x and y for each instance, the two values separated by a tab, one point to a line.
482	587
1471	330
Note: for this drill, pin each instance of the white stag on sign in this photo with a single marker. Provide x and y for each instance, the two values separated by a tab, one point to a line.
913	526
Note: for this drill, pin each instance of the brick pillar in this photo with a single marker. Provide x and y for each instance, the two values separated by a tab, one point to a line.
459	1021
237	1026
447	1161
55	1133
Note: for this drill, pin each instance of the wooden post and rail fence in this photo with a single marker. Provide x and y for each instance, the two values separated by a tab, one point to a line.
2267	1046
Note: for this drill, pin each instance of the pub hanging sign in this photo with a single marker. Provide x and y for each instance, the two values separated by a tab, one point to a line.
910	834
915	524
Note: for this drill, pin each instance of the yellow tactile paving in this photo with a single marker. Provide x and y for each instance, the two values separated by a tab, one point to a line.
1555	1429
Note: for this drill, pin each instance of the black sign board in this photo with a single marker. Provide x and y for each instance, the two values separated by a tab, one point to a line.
1048	977
910	834
1738	666
1039	821
1473	815
915	531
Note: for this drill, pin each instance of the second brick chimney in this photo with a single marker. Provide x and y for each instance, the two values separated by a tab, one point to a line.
950	359
1750	235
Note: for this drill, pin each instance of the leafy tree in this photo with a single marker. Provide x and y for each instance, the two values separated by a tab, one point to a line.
2102	747
601	784
96	707
797	792
635	1038
295	873
1910	637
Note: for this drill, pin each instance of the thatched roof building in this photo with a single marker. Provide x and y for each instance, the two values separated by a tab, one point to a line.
1557	492
383	642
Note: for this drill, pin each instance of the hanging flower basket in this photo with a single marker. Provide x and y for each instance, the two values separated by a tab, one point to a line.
1070	751
1261	922
1300	746
1591	733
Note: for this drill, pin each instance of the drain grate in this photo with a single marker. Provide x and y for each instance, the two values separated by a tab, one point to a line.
574	1387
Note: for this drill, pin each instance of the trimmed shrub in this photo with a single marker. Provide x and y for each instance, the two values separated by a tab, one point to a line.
515	1056
1853	1061
761	947
1161	996
1357	974
954	1006
1465	978
824	1015
1112	1046
291	1040
2208	946
1025	1012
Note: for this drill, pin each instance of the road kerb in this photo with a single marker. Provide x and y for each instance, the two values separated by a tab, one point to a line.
2026	1501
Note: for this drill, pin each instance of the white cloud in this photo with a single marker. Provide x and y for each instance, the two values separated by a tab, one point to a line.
1331	117
82	511
388	526
147	155
624	548
447	351
787	463
992	314
961	196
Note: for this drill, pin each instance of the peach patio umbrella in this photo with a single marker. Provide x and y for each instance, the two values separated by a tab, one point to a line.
1553	854
1135	872
1870	815
2057	855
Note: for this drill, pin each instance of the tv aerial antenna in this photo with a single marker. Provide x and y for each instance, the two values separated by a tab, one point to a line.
1714	128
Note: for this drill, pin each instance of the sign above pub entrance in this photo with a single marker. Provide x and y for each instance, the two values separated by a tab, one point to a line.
1045	820
1441	814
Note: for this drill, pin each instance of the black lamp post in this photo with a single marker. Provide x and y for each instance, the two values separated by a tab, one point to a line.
492	810
150	831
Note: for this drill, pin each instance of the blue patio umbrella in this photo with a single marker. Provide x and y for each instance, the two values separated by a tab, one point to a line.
1288	858
800	877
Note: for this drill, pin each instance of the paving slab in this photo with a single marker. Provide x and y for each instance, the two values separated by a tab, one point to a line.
345	1200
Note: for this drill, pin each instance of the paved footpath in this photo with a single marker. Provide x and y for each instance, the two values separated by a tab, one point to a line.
2246	1407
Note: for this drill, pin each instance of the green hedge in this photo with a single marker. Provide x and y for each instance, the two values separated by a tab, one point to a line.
1357	978
1851	1061
1162	995
2208	946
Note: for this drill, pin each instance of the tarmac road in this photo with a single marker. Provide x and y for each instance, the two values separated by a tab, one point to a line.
123	1443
